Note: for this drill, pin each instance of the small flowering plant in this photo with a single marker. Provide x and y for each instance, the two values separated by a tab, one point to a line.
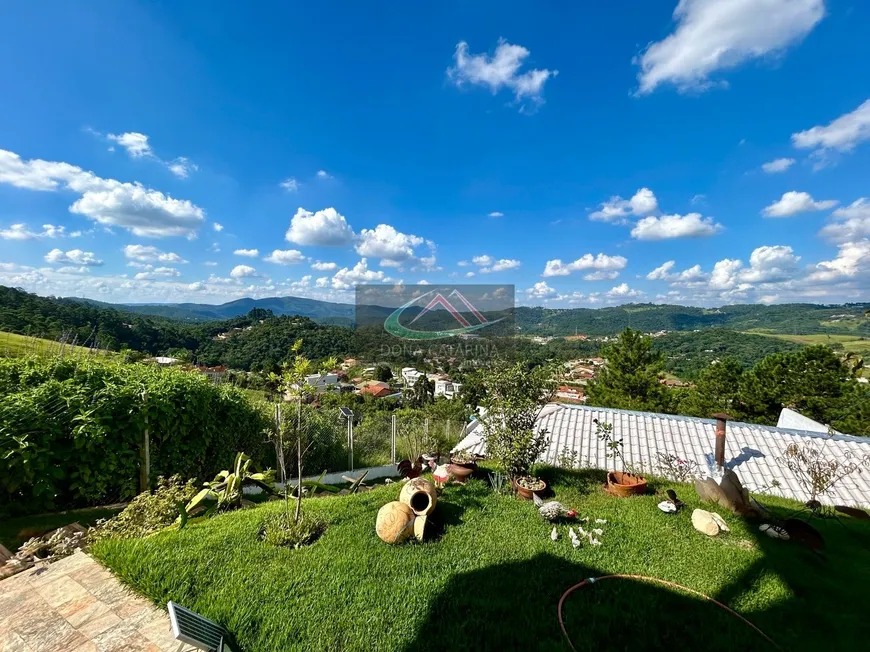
676	468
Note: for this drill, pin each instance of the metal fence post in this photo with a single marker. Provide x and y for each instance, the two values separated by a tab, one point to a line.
393	438
145	453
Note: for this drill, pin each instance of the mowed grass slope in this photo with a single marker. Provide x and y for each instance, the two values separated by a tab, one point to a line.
13	345
494	578
854	343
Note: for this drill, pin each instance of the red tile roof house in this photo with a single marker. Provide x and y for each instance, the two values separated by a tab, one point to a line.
750	449
376	388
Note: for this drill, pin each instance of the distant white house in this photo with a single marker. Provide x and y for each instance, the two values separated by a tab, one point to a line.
165	361
322	382
410	376
447	388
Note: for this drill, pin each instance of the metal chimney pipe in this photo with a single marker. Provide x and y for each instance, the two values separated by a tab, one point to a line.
719	455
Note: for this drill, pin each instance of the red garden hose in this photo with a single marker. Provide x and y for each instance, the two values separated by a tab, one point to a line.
654	580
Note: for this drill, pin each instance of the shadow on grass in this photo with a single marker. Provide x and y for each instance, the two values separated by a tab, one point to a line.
514	607
828	591
453	502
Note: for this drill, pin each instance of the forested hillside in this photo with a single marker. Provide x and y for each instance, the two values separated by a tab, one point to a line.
799	318
259	340
793	319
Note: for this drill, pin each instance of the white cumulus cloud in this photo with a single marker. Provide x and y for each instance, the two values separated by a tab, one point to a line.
326	227
72	257
771	265
285	257
157	272
541	290
321	266
777	165
622	291
849	223
21	232
149	254
842	134
601	262
243	271
249	253
132	206
616	209
388	244
290	184
347	278
714	35
792	203
668	227
135	143
501	265
501	70
852	261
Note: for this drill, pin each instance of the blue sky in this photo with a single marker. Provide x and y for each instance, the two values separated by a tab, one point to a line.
696	152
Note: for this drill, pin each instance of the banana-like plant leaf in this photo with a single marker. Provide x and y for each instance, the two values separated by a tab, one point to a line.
182	515
203	498
356	483
312	484
268	487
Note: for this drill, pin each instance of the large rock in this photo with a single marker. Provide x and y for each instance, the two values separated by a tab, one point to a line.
728	493
708	523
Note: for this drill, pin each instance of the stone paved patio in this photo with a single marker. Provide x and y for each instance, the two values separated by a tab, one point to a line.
76	605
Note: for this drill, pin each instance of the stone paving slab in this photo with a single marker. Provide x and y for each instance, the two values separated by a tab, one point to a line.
76	605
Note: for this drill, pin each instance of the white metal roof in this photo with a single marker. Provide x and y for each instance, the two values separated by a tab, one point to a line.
750	449
788	418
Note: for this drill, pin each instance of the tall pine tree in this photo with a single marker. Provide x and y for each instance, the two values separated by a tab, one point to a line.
629	379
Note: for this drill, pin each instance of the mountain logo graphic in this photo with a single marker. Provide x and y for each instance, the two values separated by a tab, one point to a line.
392	325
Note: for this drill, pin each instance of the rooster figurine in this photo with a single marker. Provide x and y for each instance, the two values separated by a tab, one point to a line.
552	510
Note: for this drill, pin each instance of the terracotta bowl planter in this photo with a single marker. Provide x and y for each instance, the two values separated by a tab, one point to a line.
625	484
526	494
461	472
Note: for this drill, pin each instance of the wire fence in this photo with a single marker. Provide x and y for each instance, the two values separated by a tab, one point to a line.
334	441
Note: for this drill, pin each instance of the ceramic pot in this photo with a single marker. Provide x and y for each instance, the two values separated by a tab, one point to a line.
395	522
625	484
419	494
526	494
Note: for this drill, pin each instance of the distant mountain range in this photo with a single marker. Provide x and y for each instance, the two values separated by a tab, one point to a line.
798	318
320	311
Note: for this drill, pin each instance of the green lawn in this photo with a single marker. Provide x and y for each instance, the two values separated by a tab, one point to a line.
855	343
15	531
12	346
493	578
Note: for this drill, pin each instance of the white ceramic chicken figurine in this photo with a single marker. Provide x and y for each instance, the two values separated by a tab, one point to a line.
575	540
441	474
552	509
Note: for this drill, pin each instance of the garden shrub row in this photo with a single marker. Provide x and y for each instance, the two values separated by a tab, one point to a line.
71	430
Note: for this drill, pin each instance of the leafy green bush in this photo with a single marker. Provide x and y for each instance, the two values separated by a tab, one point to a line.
147	513
71	430
281	529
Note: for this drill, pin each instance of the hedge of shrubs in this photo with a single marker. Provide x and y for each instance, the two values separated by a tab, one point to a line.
71	430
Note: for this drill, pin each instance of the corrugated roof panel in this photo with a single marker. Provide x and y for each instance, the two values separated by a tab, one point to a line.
750	449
